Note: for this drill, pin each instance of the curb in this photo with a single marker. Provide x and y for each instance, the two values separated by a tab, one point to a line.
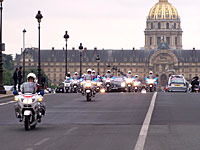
6	96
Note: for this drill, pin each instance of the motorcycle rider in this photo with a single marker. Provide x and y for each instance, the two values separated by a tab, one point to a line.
129	75
30	87
75	76
88	76
150	76
136	78
68	74
94	74
108	74
195	82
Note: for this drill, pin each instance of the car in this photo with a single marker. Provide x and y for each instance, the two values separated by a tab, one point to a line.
118	84
177	83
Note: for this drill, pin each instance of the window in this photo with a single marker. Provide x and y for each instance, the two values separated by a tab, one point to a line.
167	26
54	69
174	25
60	69
168	40
48	69
150	40
151	25
176	41
159	25
158	40
190	76
60	76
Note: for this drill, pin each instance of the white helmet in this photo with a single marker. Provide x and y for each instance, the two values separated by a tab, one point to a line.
68	73
129	72
136	76
76	73
89	70
108	71
93	71
150	72
31	75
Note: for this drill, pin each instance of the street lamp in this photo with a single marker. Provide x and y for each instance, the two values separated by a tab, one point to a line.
66	37
2	46
80	49
24	31
39	18
98	61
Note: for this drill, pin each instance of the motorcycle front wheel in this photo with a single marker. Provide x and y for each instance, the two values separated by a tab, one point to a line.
27	123
88	97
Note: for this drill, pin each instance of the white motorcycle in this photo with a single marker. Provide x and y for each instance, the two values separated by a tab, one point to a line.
67	86
29	109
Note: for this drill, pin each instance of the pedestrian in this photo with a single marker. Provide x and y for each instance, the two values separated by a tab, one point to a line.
43	80
19	78
15	78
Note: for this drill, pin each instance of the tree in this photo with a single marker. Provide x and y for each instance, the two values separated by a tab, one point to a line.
8	67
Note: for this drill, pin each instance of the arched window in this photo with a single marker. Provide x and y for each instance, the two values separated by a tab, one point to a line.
174	25
167	26
159	25
151	25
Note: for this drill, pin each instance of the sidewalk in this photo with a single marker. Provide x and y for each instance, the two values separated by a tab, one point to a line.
7	95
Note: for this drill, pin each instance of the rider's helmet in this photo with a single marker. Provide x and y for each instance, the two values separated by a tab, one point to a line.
108	71
89	71
31	75
151	72
129	72
93	71
136	76
76	73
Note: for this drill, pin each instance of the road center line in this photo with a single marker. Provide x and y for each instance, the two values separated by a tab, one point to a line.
70	130
145	127
41	142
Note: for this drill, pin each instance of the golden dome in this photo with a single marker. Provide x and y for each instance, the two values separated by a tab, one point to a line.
163	10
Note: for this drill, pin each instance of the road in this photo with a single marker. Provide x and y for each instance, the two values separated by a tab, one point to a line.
112	121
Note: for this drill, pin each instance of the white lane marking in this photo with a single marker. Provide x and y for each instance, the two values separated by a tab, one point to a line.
70	130
145	127
1	104
41	142
29	149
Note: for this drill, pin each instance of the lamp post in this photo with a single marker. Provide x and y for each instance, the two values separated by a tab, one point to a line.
2	90
66	37
98	61
39	18
24	31
80	49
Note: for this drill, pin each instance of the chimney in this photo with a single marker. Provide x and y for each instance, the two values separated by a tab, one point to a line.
95	51
85	51
52	48
73	51
63	48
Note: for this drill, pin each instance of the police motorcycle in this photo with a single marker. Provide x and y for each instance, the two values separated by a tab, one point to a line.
151	84
74	86
88	90
67	84
98	84
29	107
107	82
129	84
136	84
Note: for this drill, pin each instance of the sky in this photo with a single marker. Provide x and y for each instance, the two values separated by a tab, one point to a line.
108	24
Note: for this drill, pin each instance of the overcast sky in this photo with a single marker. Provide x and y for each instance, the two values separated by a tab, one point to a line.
109	24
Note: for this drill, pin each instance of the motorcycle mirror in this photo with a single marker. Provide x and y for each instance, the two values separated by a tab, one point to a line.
42	93
15	92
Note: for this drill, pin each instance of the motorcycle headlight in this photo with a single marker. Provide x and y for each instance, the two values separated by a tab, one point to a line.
98	83
123	84
16	99
88	84
40	99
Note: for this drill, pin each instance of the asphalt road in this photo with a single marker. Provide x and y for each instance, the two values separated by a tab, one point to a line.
112	121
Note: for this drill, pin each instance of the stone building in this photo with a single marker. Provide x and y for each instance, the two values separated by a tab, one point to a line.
163	53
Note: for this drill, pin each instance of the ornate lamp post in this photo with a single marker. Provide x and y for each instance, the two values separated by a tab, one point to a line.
98	61
39	18
66	37
24	31
2	46
80	49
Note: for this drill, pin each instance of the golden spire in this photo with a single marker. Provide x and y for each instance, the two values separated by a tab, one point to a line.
163	0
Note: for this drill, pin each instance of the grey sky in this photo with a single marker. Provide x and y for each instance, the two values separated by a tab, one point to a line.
109	24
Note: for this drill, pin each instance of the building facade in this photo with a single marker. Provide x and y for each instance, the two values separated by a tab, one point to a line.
163	53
